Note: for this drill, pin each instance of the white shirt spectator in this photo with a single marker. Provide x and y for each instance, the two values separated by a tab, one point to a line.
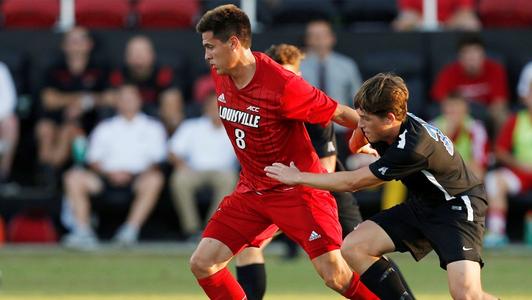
132	146
523	87
203	146
8	94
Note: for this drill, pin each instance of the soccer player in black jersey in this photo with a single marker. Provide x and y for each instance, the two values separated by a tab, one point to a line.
250	268
445	211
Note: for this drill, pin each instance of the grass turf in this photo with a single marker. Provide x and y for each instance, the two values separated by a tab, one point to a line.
121	274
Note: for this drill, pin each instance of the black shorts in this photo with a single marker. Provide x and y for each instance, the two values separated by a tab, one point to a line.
348	211
454	229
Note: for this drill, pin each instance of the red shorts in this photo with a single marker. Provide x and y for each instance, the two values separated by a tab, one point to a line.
307	216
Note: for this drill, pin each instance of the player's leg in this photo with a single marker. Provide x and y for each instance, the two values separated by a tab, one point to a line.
464	280
318	232
251	271
209	265
237	223
349	216
363	249
337	275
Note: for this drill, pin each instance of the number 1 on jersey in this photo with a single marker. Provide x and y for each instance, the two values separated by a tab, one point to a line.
240	135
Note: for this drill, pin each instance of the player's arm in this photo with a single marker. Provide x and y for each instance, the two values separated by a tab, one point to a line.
345	181
345	116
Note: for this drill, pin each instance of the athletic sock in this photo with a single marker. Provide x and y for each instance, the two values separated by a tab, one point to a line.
358	291
383	280
222	286
400	274
252	278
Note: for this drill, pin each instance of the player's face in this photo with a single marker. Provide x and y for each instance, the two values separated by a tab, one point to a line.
373	126
218	54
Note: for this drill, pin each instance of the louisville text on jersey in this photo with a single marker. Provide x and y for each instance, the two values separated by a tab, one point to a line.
237	116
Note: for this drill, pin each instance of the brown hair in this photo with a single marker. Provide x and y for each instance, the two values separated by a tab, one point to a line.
382	94
225	21
285	54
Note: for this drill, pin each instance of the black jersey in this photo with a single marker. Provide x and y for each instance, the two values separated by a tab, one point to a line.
425	160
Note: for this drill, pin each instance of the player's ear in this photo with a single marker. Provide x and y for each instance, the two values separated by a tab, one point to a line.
234	42
390	118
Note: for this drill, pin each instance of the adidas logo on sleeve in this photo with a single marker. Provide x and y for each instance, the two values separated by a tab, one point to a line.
313	236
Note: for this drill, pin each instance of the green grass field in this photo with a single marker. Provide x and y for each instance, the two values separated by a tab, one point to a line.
53	273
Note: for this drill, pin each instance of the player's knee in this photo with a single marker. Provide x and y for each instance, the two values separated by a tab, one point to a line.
353	250
334	280
464	291
200	265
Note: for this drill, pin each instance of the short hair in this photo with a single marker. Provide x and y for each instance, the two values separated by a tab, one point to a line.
470	39
382	94
226	21
285	54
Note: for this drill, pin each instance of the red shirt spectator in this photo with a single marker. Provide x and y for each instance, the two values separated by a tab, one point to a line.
508	13
446	8
487	87
451	14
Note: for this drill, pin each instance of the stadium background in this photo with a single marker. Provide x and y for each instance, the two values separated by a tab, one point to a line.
28	44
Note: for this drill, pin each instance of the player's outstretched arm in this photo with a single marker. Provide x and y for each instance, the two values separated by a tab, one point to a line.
346	116
347	181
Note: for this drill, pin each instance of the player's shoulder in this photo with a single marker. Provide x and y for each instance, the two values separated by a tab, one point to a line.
413	134
271	71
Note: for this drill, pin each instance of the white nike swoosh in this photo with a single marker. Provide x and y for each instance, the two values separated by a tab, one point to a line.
466	249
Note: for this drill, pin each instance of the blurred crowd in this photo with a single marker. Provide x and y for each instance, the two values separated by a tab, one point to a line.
126	133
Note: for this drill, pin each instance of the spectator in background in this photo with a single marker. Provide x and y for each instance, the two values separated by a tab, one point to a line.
335	74
9	130
202	155
479	79
514	151
123	153
451	15
72	89
468	135
158	84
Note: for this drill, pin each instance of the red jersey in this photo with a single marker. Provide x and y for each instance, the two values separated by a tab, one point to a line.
446	8
265	121
484	88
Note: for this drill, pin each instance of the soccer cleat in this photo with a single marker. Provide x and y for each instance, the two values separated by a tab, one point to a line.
495	240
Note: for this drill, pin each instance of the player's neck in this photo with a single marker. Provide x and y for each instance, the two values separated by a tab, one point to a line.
244	70
394	132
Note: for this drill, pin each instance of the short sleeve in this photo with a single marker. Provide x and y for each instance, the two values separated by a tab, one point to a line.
158	143
301	101
8	94
178	144
523	87
98	139
499	82
397	164
443	85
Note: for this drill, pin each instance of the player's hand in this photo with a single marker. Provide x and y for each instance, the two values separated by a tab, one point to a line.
368	150
283	173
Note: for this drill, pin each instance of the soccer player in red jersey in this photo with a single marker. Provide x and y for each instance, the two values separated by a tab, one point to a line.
263	108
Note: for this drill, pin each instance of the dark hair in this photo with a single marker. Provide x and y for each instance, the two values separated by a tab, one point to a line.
382	94
470	39
285	54
225	21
